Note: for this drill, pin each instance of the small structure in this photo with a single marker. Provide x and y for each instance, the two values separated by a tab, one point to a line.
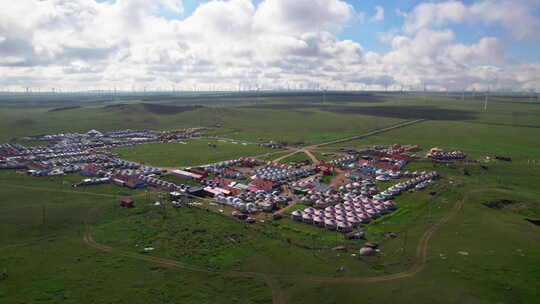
356	235
94	133
372	245
132	182
297	215
187	174
366	251
505	158
127	203
264	185
176	196
90	171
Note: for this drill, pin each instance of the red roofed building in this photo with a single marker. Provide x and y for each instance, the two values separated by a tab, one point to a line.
128	181
37	166
325	168
127	203
233	191
198	171
401	157
382	165
263	184
90	170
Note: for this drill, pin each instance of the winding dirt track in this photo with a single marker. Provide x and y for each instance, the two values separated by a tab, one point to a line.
308	149
270	279
277	296
419	264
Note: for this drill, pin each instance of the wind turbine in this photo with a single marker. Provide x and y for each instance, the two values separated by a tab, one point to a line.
486	100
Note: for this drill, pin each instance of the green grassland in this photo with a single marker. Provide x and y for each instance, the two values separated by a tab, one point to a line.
297	157
324	156
272	156
481	255
192	153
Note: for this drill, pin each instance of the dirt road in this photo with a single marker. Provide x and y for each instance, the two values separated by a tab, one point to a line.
277	296
270	279
419	264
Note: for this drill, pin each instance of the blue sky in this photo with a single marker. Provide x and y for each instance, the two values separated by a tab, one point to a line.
446	44
366	33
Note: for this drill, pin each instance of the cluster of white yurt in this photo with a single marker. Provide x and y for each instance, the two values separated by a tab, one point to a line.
342	217
345	216
280	174
344	162
237	203
220	165
253	202
359	188
320	199
303	183
418	182
413	173
230	173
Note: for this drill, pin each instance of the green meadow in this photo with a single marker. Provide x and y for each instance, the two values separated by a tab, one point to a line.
189	153
60	244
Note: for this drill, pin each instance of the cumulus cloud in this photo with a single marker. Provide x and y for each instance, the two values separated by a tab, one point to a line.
515	16
82	44
302	15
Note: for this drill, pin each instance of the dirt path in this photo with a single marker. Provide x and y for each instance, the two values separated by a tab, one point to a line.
270	279
285	156
311	156
419	264
375	132
308	149
287	191
339	179
277	296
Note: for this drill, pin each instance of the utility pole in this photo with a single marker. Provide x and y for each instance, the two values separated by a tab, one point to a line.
43	215
486	100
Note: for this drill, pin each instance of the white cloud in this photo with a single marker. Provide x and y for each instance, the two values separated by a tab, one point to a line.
515	16
379	14
302	15
487	50
84	44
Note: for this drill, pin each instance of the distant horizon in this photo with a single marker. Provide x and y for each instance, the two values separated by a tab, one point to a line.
367	45
261	91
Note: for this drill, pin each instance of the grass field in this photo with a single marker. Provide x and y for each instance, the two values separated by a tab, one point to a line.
192	153
481	255
297	157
